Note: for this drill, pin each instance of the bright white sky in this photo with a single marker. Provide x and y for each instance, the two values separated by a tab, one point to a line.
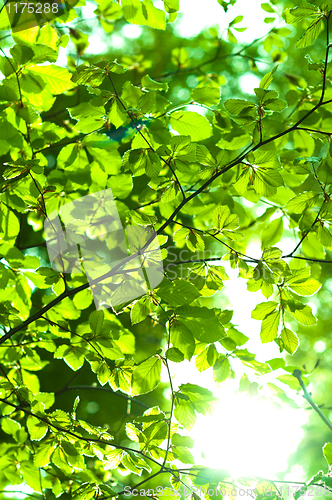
196	15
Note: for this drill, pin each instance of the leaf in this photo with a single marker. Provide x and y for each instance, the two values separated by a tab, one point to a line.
82	300
192	124
272	233
103	373
178	293
269	329
237	106
210	96
267	79
43	453
143	13
303	202
117	116
302	313
113	458
171	6
220	214
37	428
206	358
96	320
140	310
185	414
327	450
202	322
263	309
290	340
57	79
150	84
175	355
221	369
311	33
304	287
183	339
88	75
267	7
146	376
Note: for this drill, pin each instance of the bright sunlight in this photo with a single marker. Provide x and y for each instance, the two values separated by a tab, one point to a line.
241	422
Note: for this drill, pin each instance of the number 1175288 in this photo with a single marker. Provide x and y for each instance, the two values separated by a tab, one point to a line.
33	8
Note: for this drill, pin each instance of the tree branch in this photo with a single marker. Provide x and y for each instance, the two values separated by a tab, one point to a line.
307	396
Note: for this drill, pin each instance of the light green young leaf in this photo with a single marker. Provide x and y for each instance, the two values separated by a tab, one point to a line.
269	329
311	33
210	96
146	376
290	340
272	233
327	450
192	124
263	309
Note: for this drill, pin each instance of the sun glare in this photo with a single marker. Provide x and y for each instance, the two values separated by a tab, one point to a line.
248	436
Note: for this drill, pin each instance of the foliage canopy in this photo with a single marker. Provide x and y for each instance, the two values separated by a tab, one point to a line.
228	180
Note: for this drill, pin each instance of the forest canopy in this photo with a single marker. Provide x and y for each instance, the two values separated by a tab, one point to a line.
165	240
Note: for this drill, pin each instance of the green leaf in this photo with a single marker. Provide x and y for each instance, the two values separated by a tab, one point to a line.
272	233
171	6
185	414
327	450
236	20
175	355
269	329
304	287
88	75
202	322
117	116
206	358
290	340
150	84
37	428
238	106
302	313
210	96
183	339
303	202
143	13
96	320
267	79
221	369
82	300
263	309
140	310
311	33
10	426
192	124
267	7
43	453
57	79
146	376
178	293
